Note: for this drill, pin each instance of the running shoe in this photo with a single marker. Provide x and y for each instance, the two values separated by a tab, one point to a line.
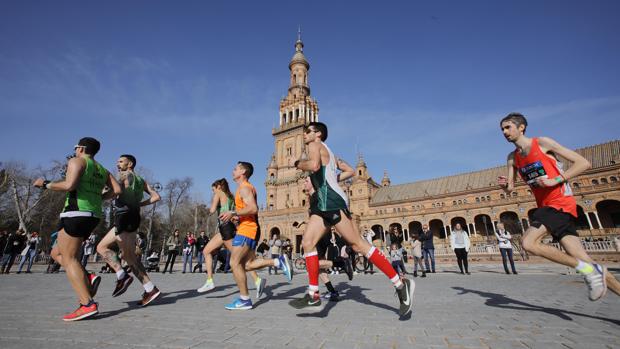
94	280
122	285
306	301
148	297
348	268
405	296
260	287
285	266
331	296
208	286
239	304
597	285
82	312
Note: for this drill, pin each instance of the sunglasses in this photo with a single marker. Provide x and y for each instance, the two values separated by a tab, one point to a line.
309	130
75	147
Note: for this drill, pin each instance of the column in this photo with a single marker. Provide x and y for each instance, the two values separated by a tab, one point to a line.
473	228
589	221
598	220
494	228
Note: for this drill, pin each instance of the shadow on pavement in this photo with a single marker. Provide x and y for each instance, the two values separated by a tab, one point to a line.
501	301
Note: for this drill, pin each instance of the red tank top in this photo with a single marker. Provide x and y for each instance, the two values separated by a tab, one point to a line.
538	164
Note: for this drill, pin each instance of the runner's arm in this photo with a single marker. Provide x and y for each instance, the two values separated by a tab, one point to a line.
347	170
115	187
75	168
214	202
153	195
508	182
250	206
313	163
580	164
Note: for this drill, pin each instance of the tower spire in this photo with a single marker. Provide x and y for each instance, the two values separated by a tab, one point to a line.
299	33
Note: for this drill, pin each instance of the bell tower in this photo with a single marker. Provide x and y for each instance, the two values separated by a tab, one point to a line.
297	109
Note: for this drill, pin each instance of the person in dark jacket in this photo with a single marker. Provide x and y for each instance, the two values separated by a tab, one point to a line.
428	248
201	242
15	243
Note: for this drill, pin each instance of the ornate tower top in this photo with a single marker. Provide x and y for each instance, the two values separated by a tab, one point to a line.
385	182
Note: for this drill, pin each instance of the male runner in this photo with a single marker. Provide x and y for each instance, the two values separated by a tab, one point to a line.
84	183
331	210
535	159
242	257
126	223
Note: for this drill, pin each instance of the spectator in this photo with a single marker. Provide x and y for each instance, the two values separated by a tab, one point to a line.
11	250
30	252
53	266
428	248
375	240
201	242
275	247
459	241
396	257
89	248
172	244
416	252
188	250
3	239
263	249
396	237
505	247
287	248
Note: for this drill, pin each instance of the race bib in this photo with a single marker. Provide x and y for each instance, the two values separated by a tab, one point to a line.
531	172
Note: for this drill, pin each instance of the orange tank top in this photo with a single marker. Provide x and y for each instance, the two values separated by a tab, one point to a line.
248	225
538	164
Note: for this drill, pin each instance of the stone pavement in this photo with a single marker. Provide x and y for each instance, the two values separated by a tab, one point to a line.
539	308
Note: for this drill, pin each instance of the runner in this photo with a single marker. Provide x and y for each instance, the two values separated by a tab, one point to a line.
535	159
84	183
242	257
223	201
331	210
123	233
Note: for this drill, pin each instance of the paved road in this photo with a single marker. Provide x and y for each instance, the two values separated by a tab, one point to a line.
539	308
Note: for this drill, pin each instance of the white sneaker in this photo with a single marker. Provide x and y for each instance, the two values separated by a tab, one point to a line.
597	286
208	286
260	287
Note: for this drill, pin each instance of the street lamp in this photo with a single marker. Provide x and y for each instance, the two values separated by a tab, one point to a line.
157	187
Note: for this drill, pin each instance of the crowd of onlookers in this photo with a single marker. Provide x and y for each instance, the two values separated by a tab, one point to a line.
26	248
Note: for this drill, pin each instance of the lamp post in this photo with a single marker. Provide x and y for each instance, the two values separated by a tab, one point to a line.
157	187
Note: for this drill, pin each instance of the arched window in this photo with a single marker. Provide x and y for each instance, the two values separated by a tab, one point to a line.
483	199
613	179
575	185
502	196
454	203
359	173
477	199
460	202
515	194
594	182
603	180
488	198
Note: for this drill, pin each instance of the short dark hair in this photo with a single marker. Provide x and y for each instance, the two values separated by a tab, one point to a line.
91	145
516	118
130	158
247	167
319	127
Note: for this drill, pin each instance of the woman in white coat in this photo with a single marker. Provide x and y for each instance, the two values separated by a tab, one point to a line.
459	241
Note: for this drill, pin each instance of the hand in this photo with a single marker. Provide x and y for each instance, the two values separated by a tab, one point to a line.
227	216
546	182
39	182
502	181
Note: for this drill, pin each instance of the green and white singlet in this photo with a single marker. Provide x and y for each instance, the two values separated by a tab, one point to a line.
86	199
330	197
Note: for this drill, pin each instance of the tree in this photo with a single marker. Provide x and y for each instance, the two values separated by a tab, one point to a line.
176	192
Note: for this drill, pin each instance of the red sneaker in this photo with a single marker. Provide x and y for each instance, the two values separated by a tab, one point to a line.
82	312
94	280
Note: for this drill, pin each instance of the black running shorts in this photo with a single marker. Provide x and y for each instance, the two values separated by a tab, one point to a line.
78	227
331	218
558	223
227	230
127	221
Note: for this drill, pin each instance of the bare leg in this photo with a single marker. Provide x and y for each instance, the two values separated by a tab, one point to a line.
214	244
237	263
55	254
103	248
532	244
69	248
573	247
127	244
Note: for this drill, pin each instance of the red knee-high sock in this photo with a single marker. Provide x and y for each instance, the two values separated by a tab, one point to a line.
378	259
312	266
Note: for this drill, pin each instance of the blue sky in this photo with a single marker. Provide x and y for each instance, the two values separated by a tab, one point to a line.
192	87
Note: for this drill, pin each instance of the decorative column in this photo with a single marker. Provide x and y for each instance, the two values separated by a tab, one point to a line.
587	214
598	220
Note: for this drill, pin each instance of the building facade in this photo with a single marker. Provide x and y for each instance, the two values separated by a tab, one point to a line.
472	199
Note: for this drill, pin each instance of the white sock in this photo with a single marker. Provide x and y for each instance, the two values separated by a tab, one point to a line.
244	298
397	281
583	267
276	262
120	274
148	287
